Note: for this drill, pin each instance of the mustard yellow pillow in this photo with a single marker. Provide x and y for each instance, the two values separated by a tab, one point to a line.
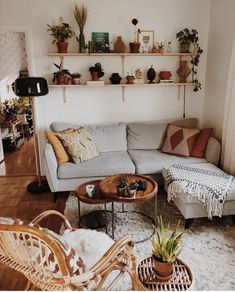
61	155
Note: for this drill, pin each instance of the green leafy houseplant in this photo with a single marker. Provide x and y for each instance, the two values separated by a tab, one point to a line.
60	33
96	71
61	74
187	37
166	247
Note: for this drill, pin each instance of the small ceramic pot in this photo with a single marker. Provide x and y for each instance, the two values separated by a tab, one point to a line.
134	47
132	192
94	76
76	81
90	189
130	79
165	75
61	79
62	47
121	191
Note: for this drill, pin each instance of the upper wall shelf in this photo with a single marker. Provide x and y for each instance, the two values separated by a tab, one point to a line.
121	54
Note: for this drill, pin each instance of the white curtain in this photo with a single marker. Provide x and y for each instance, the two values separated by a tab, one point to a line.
228	139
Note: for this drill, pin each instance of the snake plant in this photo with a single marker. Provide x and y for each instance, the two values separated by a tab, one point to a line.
166	244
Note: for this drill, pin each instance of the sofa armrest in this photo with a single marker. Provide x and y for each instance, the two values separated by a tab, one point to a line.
51	167
213	151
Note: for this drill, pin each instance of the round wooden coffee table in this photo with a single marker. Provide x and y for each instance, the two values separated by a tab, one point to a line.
108	189
181	280
97	199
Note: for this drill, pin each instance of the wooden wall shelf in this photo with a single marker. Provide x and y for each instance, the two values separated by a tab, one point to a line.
175	54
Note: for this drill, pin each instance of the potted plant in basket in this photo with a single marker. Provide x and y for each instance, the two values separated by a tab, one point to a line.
135	46
61	75
60	34
96	72
166	247
187	37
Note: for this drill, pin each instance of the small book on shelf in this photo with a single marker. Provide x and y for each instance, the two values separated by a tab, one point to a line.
98	82
167	81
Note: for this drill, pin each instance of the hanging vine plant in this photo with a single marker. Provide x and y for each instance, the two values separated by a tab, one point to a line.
187	36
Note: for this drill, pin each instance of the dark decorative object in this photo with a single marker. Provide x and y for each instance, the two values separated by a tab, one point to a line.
96	72
31	87
141	185
115	78
151	74
119	46
183	71
165	75
187	37
130	79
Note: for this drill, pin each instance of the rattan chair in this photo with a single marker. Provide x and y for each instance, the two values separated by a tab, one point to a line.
19	241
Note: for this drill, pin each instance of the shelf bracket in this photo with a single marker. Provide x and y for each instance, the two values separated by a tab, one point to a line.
64	95
123	94
123	65
184	110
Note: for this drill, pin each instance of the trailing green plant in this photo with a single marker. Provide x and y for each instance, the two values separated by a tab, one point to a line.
60	71
61	32
97	68
191	37
166	244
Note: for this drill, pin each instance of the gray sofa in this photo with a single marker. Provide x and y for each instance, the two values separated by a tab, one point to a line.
124	148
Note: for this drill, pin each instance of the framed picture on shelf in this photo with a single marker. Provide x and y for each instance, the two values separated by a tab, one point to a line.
146	40
138	73
100	42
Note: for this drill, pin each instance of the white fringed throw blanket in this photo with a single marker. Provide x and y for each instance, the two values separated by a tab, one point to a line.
207	186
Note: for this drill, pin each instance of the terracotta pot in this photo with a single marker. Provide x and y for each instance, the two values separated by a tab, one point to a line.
94	76
134	47
184	47
130	79
160	50
165	75
119	46
61	79
62	47
183	71
163	270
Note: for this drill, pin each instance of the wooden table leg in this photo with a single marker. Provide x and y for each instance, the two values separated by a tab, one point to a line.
105	213
113	220
79	214
155	209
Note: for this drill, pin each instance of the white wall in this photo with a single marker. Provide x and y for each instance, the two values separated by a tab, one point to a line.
221	35
98	105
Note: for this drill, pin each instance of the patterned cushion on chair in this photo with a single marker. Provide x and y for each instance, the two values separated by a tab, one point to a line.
42	254
180	141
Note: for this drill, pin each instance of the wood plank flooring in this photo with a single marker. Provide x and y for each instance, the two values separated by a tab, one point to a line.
20	162
16	202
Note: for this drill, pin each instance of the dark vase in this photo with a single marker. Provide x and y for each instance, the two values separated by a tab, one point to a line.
151	74
82	45
115	78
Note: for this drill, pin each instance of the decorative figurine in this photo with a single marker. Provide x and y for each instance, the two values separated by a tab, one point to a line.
151	74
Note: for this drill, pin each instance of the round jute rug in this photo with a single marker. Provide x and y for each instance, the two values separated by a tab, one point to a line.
208	246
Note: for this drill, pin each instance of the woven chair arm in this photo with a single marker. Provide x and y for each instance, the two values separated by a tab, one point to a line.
51	212
119	246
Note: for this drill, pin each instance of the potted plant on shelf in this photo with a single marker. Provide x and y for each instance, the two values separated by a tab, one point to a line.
135	46
61	75
60	34
81	17
187	37
96	72
166	247
121	186
76	78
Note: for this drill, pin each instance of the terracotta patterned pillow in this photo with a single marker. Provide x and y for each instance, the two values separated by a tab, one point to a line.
79	145
179	141
199	147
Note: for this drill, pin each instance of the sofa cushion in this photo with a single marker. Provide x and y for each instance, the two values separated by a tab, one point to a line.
208	166
107	163
79	145
199	147
149	135
110	137
153	161
180	141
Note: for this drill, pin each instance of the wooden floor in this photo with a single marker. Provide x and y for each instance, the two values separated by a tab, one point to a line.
20	162
16	202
